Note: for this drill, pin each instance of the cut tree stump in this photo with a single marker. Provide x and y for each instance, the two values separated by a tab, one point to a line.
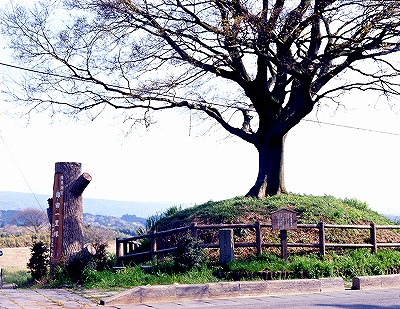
67	211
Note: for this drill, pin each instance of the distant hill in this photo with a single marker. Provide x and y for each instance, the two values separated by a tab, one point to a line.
128	224
115	223
19	200
394	218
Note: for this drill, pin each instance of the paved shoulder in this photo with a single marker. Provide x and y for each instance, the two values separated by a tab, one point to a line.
373	299
42	298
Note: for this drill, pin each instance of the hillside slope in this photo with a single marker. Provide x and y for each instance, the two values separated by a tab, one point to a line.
310	209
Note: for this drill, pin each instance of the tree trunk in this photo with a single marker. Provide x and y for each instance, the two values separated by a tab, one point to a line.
270	180
72	221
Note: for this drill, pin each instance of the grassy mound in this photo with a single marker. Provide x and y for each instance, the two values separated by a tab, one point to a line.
310	209
301	263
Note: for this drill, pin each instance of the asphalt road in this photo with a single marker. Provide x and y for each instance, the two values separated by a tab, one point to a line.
349	299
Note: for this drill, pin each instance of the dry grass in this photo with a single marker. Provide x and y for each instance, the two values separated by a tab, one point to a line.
15	259
14	262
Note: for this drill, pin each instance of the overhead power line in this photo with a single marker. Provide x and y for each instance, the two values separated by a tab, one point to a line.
351	127
35	71
200	102
20	171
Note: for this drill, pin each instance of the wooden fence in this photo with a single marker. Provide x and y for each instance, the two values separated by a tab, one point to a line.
125	247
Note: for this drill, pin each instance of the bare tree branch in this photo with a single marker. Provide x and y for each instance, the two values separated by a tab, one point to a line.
271	62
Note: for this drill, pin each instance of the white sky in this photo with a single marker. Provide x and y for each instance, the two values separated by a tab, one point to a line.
166	164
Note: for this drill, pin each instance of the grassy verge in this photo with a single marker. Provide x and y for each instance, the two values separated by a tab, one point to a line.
360	262
347	265
136	276
17	277
13	263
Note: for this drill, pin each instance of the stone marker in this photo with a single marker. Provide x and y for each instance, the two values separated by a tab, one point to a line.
226	245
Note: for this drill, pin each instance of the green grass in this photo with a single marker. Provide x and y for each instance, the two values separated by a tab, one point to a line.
136	276
17	277
360	262
352	263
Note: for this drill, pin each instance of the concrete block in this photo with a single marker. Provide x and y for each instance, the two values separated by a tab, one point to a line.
132	296
277	287
332	284
390	281
366	282
158	293
223	289
191	291
248	288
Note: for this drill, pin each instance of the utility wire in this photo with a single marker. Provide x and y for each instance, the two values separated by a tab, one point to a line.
20	171
197	101
351	127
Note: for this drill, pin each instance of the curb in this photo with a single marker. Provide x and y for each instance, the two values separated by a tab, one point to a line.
175	292
376	282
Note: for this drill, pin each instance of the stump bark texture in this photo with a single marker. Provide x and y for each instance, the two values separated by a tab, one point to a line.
73	185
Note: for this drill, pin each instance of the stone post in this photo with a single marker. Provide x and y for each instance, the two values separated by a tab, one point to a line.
226	245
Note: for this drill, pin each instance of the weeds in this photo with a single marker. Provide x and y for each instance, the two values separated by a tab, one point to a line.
188	254
352	263
17	277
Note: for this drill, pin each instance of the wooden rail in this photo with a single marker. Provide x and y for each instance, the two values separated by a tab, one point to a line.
125	247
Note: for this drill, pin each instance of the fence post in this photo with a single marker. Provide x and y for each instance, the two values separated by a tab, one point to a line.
321	232
193	231
131	247
153	246
124	248
373	238
284	248
118	251
258	238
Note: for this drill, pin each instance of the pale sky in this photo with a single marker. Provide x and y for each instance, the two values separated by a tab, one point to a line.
165	164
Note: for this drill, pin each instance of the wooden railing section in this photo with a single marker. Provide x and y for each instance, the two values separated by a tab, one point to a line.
125	246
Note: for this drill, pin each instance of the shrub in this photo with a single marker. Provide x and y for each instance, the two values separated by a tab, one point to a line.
77	264
188	254
39	261
100	258
84	260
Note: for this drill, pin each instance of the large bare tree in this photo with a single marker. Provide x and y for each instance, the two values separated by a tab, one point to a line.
255	67
32	218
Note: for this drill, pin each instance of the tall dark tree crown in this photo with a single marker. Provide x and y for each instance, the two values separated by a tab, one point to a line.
271	62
